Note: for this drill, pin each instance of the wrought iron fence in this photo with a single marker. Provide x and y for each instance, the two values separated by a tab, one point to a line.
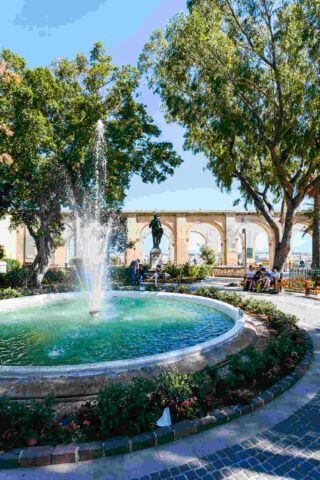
307	273
299	276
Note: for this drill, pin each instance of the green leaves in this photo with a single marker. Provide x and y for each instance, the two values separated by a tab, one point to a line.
53	113
242	78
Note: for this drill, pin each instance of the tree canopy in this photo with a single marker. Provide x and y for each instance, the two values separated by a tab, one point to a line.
53	112
242	77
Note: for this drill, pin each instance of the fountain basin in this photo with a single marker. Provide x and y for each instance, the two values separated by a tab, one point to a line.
78	380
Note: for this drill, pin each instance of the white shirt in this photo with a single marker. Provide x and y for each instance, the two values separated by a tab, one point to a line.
251	273
274	274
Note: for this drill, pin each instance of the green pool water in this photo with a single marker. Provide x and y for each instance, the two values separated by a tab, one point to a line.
63	333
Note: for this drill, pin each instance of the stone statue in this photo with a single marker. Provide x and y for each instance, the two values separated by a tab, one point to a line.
156	254
157	231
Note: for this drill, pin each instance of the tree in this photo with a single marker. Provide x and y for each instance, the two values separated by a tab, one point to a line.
314	215
208	255
242	77
54	112
316	231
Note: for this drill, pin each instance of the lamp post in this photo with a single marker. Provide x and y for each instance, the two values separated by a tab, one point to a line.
244	231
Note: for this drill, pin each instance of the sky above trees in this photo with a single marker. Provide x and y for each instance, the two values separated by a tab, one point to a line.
41	31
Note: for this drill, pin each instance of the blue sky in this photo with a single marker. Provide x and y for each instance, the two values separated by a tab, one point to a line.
41	30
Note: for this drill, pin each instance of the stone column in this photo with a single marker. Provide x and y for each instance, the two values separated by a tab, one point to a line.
20	239
77	230
181	242
232	252
131	254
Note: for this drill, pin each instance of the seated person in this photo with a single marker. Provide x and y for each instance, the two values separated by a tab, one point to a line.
263	284
270	279
158	274
248	278
274	275
141	274
133	269
256	278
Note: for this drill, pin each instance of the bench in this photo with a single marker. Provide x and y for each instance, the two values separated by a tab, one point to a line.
279	283
313	286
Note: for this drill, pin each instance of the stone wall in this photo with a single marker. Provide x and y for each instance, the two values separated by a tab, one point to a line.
226	271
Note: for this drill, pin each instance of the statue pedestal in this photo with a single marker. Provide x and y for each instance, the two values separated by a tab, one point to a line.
155	258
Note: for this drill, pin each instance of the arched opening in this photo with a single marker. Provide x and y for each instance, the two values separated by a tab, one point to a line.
301	247
257	243
166	244
204	234
262	248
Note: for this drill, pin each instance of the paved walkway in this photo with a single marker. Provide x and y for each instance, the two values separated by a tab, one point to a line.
278	441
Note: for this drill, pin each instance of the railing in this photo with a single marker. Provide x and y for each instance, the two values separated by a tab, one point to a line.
298	278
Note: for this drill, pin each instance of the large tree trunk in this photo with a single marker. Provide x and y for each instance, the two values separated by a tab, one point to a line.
283	245
316	233
40	265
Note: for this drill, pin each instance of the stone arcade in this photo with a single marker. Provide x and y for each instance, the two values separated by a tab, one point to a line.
224	234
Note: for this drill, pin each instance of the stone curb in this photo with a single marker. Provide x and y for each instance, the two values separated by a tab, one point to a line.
73	453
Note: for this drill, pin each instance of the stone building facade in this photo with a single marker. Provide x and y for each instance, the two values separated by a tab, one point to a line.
222	230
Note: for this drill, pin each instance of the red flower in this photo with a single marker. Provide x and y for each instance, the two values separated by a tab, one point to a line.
31	442
73	425
85	422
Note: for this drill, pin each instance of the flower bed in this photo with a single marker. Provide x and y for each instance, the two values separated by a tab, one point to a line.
133	409
295	284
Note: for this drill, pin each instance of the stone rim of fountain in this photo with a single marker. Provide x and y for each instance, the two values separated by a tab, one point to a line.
120	366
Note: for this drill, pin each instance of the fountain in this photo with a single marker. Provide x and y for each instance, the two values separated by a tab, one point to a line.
48	336
94	237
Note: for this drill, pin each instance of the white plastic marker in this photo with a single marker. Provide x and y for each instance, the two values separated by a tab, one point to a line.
165	420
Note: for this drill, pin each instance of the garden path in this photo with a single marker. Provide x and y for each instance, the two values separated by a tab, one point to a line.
278	441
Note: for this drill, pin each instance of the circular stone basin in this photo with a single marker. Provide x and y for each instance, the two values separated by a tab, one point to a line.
56	334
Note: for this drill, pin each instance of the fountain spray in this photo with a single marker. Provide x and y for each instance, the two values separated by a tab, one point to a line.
94	233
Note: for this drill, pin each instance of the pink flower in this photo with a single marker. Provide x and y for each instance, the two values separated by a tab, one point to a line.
85	422
31	442
73	425
184	403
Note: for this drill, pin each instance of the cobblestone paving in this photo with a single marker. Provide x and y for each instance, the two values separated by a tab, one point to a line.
291	449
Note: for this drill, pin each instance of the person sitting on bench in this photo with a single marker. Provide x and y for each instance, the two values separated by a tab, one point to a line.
247	284
256	278
158	275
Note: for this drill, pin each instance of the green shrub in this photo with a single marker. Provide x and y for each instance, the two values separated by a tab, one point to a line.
204	271
60	275
191	271
173	270
170	288
182	289
10	293
208	255
119	273
2	252
20	422
187	272
153	288
13	278
126	409
12	264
